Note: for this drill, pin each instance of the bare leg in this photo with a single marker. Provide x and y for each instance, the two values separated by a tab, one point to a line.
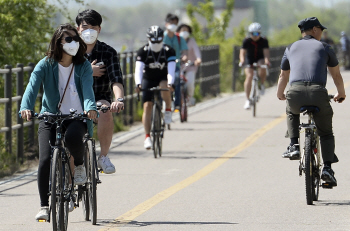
262	75
147	115
105	129
166	96
248	81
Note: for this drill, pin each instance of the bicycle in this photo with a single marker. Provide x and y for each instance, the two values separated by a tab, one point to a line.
254	92
61	186
157	124
184	96
310	162
87	192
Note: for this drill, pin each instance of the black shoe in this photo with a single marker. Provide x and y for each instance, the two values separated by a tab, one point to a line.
328	176
292	152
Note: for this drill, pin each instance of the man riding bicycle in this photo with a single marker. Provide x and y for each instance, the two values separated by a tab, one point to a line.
304	64
155	66
255	49
108	80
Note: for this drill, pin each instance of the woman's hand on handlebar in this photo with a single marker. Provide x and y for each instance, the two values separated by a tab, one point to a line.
92	114
26	114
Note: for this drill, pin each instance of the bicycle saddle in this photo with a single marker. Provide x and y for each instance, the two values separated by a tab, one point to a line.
312	109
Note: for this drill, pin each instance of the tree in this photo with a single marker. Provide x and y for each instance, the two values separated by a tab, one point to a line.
26	28
215	31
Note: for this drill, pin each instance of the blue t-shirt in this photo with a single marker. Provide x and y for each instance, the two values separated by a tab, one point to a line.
176	45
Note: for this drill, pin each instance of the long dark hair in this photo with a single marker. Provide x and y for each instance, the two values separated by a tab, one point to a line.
55	49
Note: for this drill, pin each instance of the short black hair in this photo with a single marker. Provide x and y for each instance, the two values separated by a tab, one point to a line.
90	16
171	17
184	25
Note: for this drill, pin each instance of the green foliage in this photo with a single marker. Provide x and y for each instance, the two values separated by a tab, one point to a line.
26	29
215	33
24	25
8	164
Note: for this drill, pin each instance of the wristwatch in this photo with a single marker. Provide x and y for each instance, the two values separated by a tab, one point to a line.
120	100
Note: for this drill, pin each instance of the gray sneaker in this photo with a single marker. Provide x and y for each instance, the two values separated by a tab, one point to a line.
43	214
80	175
292	152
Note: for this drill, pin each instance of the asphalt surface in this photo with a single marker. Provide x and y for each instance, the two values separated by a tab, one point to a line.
222	170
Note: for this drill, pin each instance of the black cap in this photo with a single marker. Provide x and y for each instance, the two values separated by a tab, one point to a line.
309	23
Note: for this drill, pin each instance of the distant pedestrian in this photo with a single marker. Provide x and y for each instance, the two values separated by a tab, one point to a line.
345	47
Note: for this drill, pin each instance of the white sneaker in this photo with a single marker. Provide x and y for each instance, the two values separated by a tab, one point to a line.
247	104
167	117
79	175
71	205
43	214
262	89
147	143
105	163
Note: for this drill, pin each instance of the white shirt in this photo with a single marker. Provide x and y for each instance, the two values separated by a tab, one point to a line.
71	98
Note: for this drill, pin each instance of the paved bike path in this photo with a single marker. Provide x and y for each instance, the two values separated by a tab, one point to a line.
240	183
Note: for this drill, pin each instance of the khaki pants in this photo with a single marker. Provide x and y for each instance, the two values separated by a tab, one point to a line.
312	95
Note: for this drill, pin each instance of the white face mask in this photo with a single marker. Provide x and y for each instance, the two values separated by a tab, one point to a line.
71	48
185	34
156	47
89	36
171	27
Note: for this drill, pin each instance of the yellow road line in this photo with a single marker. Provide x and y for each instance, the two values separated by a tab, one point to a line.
148	204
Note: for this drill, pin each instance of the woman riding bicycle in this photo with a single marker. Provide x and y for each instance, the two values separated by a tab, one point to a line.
67	83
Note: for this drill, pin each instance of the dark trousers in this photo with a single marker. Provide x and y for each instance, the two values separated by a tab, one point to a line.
312	95
74	132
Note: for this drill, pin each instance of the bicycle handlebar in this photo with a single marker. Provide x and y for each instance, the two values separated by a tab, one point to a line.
264	66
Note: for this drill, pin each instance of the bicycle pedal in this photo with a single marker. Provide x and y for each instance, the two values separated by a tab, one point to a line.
42	220
327	185
99	182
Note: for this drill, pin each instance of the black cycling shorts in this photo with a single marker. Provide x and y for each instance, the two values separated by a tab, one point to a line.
148	83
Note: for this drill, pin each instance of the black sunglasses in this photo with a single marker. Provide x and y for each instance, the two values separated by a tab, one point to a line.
69	39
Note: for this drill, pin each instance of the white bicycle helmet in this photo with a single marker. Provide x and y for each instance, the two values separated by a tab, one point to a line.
254	27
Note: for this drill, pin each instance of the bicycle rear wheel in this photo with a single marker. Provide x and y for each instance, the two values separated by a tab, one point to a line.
183	112
92	183
155	130
309	171
57	207
317	167
84	189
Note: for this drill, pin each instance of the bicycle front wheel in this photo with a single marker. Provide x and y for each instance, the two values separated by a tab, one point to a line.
57	207
155	129
92	183
254	97
309	171
67	191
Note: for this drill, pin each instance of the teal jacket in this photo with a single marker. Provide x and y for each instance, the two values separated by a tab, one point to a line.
46	73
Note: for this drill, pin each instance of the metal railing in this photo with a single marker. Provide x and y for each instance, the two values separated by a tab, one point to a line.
208	78
8	100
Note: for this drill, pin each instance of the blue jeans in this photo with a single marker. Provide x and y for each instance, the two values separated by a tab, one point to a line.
177	87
